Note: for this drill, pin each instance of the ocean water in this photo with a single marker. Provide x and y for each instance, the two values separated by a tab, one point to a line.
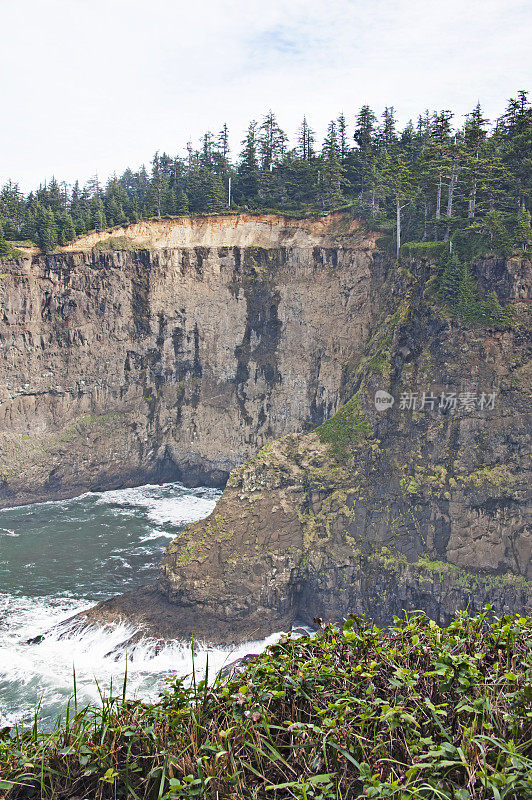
59	558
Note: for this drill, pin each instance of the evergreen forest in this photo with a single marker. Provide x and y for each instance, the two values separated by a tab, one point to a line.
434	181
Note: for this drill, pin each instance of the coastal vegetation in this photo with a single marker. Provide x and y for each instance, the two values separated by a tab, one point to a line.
412	712
430	183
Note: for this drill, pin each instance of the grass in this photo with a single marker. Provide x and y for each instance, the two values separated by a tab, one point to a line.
412	712
346	428
10	252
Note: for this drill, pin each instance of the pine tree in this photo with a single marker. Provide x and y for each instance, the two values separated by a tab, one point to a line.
332	170
215	196
222	161
271	143
66	232
523	229
475	147
341	127
435	162
305	141
387	134
398	184
98	221
248	169
364	136
181	203
46	231
134	210
4	247
514	133
451	281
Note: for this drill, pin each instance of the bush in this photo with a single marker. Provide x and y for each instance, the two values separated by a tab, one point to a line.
412	712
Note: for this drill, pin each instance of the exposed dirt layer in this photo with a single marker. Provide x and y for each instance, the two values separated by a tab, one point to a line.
232	230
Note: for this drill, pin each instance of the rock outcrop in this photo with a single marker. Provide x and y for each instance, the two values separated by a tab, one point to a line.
424	507
180	361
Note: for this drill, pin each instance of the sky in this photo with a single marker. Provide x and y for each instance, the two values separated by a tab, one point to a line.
94	86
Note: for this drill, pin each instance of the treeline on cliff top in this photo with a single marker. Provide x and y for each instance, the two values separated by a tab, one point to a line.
432	181
413	713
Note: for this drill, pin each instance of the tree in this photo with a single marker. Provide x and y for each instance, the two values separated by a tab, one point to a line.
305	141
364	136
398	182
4	247
158	185
451	281
387	134
46	230
66	232
436	160
475	137
523	229
98	220
341	126
215	196
514	133
271	143
332	170
181	203
248	169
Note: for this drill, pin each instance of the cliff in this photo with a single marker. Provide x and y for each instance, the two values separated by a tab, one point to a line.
180	361
178	355
424	507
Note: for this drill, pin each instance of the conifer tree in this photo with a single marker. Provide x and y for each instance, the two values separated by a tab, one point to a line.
387	133
451	280
181	203
305	141
4	247
523	229
332	170
98	221
215	195
398	184
248	169
341	127
223	151
46	231
271	143
476	154
364	136
66	231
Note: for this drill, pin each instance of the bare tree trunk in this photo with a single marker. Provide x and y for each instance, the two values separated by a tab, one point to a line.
438	208
452	184
473	197
425	215
398	243
472	200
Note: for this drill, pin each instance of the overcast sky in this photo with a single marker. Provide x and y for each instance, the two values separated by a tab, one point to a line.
94	86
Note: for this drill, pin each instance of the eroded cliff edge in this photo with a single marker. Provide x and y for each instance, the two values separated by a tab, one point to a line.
168	360
425	508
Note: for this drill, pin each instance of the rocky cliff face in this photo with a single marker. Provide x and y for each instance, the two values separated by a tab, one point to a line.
179	360
183	361
378	510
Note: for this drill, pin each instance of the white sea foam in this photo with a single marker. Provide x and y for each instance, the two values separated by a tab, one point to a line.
43	671
161	509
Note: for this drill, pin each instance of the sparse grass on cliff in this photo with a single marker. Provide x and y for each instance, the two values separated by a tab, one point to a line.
347	427
413	712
